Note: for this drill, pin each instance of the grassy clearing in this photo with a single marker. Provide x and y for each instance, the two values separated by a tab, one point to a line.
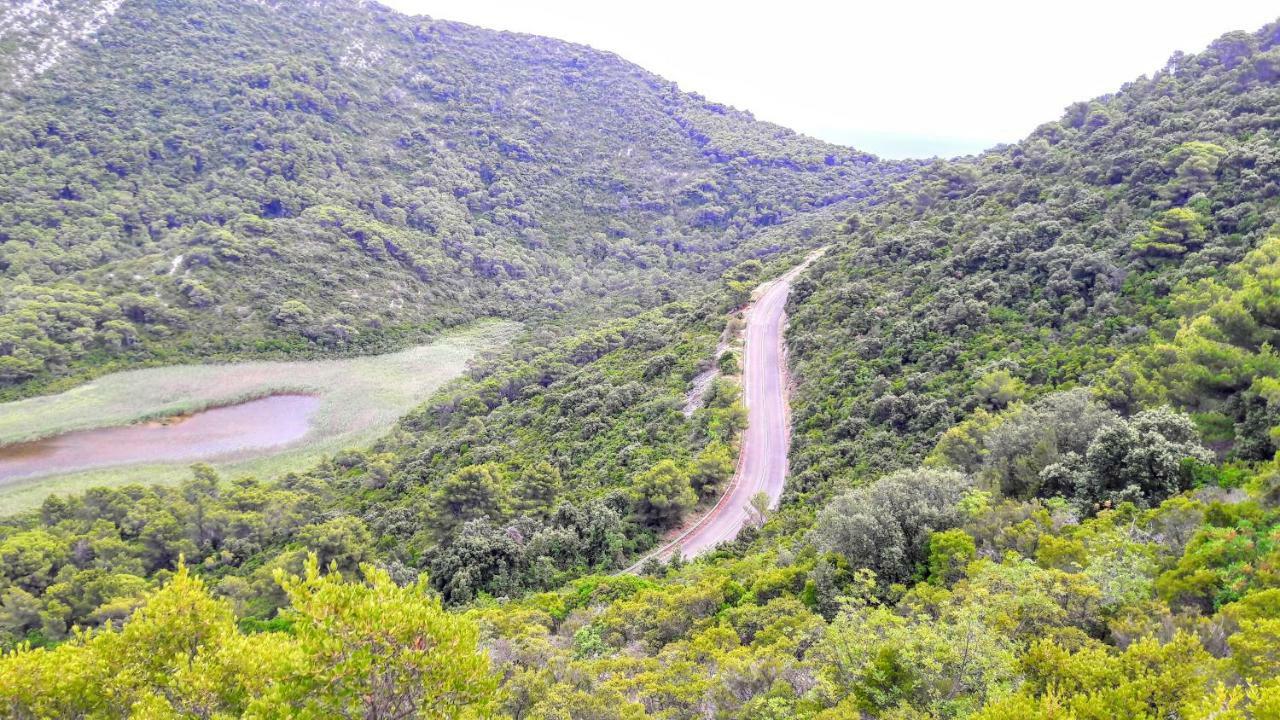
360	399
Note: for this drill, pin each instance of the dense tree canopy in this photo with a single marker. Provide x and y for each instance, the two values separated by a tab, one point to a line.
342	649
202	177
1034	470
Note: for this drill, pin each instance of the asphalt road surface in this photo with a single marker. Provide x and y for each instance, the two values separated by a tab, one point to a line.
762	465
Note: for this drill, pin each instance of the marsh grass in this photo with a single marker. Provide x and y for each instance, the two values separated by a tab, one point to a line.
360	399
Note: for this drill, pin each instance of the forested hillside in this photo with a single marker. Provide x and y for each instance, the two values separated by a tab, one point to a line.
561	458
187	178
981	283
1034	473
1036	416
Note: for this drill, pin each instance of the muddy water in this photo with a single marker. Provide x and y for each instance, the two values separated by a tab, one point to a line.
253	425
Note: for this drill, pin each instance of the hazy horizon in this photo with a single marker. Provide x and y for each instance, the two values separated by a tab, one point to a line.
914	89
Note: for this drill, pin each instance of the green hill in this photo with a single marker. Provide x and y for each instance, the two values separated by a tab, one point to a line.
1034	465
201	178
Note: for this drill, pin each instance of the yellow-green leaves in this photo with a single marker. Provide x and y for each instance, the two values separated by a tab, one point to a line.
375	649
370	649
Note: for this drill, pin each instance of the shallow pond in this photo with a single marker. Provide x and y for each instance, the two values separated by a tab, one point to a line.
218	432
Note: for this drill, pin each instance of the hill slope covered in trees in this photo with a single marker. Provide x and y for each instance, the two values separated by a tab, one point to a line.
187	177
1034	475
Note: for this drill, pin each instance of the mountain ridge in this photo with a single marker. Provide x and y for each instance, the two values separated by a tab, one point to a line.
462	186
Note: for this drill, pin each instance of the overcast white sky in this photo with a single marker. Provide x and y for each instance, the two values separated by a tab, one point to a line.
896	78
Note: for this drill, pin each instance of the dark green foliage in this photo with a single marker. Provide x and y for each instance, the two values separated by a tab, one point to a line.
1020	265
539	486
663	494
1054	427
728	363
203	177
1142	460
711	468
997	508
473	492
1067	445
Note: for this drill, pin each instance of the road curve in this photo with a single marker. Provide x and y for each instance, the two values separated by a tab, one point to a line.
762	460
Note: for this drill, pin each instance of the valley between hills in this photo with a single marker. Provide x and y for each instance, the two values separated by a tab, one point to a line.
362	364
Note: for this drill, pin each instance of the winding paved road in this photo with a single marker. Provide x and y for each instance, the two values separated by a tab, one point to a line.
762	461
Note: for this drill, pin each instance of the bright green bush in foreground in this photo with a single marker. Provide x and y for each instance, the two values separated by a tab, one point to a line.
342	649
